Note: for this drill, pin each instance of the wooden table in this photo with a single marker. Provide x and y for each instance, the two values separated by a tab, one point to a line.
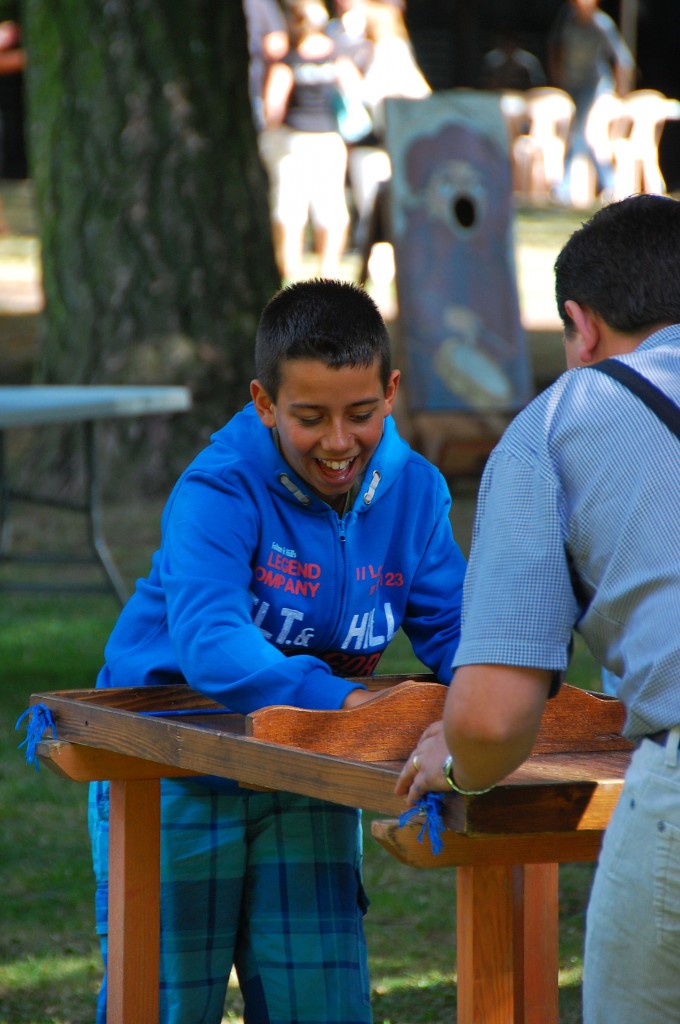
84	406
506	844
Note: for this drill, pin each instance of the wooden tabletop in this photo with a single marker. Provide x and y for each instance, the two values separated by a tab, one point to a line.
570	783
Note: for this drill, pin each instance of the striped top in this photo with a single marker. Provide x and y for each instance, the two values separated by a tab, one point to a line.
578	527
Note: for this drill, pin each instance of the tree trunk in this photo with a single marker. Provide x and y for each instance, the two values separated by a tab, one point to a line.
151	199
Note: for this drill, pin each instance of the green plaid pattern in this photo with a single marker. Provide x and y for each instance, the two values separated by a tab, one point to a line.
268	882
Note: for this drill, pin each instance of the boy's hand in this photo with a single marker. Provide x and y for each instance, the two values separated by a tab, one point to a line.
356	697
360	696
422	772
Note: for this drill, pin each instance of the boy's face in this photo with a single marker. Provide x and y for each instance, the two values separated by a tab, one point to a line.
330	421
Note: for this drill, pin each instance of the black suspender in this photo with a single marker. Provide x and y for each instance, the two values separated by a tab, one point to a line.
647	392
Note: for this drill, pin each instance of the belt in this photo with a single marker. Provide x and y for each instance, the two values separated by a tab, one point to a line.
659	737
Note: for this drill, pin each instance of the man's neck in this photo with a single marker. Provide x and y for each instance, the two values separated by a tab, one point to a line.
616	343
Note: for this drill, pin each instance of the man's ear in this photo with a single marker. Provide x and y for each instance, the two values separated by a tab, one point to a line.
587	327
265	407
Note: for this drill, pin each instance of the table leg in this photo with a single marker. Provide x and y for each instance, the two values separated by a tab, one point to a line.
93	508
536	905
507	944
134	902
90	506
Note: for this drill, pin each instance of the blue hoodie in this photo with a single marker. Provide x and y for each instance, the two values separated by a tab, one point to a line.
252	569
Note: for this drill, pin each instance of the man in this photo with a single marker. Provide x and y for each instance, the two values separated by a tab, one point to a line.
578	528
587	57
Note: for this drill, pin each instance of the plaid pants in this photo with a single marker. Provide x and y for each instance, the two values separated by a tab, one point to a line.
267	882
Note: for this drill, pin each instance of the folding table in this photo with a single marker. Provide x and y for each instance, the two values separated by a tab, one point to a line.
85	405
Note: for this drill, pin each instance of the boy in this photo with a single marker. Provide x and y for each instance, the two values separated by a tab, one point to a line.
309	528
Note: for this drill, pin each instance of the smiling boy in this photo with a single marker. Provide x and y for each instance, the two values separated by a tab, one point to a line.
293	548
329	422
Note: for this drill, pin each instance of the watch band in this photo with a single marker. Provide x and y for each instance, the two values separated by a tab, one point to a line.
447	769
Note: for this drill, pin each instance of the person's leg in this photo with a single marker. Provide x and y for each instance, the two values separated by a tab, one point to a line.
605	119
203	859
288	200
632	947
330	244
289	247
577	147
368	168
301	953
98	824
328	162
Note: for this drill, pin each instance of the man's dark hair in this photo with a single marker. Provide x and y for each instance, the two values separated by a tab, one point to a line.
624	264
333	321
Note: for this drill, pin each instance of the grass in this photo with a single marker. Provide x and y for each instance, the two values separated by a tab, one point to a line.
49	964
49	959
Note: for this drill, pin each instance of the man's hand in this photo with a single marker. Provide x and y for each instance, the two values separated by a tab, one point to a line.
491	719
422	772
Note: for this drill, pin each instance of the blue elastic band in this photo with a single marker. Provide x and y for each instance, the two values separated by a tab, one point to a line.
430	806
39	721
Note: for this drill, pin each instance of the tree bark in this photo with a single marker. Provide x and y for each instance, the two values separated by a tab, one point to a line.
151	199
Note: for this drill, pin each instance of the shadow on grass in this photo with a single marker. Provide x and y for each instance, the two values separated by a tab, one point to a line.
52	989
415	1001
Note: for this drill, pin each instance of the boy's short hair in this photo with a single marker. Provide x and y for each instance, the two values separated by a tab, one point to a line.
335	322
623	264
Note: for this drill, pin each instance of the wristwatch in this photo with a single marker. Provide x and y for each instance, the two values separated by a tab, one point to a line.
447	769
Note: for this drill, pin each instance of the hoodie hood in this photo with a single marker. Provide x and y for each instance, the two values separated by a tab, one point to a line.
249	441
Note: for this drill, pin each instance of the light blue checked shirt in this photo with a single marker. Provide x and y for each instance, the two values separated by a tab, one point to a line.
578	527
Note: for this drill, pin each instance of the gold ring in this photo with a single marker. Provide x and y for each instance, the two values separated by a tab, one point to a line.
415	762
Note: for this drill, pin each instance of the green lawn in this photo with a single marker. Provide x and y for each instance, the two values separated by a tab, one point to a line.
49	962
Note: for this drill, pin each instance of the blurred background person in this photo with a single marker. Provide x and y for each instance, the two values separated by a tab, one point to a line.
301	147
393	72
12	63
267	42
588	58
347	29
509	67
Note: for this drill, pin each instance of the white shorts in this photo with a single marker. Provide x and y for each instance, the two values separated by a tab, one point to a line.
306	177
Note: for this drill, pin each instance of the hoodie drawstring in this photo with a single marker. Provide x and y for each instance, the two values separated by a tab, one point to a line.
303	498
372	487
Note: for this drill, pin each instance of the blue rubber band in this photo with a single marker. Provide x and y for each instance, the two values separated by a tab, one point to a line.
39	721
431	806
